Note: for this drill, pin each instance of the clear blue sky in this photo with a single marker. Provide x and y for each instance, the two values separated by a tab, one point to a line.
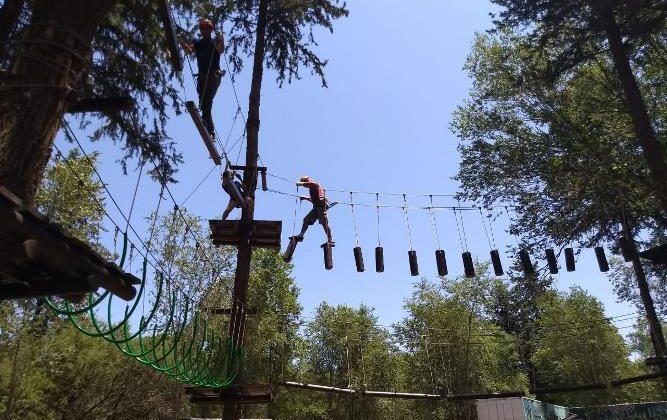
395	77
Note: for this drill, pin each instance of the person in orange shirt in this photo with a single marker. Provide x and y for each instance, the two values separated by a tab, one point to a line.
319	212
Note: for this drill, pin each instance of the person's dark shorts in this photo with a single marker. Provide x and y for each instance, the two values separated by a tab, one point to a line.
318	213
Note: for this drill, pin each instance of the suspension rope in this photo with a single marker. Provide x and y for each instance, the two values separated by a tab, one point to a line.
493	235
197	187
354	220
134	197
458	229
297	206
509	229
377	207
486	232
463	228
407	221
434	225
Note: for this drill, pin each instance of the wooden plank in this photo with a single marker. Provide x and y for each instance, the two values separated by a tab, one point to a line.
263	233
110	104
51	287
170	34
203	132
42	259
10	198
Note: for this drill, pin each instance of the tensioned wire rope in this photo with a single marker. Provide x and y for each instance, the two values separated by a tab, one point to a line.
393	206
126	219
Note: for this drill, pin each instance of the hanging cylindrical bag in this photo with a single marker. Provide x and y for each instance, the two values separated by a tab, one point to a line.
359	259
468	266
264	185
569	259
328	257
497	265
289	253
602	259
441	262
526	263
379	259
552	262
627	249
414	266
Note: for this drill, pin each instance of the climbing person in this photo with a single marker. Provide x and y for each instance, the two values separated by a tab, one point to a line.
319	211
233	203
208	51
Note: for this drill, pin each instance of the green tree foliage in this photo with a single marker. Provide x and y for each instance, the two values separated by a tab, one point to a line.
576	344
454	348
48	370
569	34
71	196
565	153
127	46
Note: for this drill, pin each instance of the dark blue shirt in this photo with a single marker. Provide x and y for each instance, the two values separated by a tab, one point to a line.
207	55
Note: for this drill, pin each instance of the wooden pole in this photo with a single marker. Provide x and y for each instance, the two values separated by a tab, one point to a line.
244	256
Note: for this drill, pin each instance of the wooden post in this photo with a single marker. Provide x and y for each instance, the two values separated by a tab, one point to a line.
244	255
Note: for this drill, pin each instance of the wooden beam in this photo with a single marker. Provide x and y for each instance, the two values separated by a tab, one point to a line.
110	104
228	311
170	34
203	132
402	395
657	255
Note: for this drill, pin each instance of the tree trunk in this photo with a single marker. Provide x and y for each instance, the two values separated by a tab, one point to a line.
44	76
653	151
9	17
655	328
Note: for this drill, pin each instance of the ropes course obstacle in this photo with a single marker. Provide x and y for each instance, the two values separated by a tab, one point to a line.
523	256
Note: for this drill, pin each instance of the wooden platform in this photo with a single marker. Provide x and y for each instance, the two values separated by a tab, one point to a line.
242	394
39	258
261	233
657	255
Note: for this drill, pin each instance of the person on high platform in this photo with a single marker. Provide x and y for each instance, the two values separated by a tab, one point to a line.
207	50
319	212
233	203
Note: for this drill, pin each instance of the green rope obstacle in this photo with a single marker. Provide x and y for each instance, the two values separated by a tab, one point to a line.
183	347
